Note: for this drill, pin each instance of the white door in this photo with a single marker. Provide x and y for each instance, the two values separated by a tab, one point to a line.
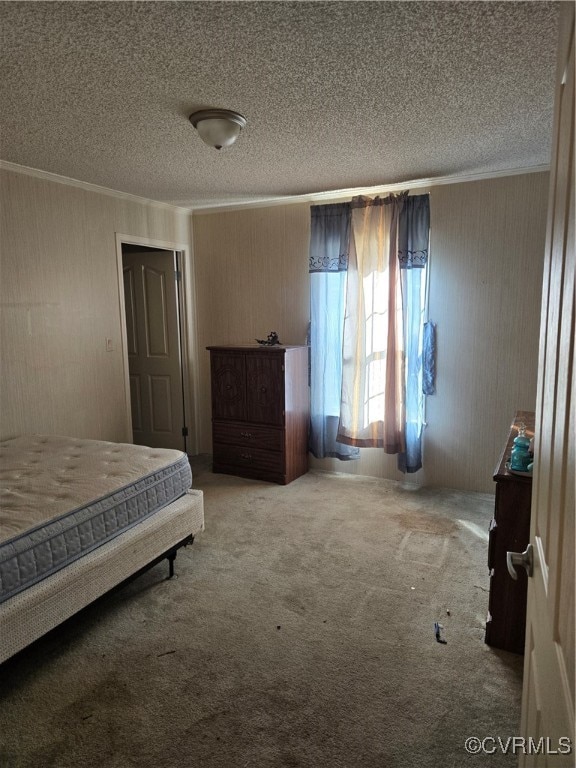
549	665
152	331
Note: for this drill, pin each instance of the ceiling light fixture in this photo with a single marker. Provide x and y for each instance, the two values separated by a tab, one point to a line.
218	127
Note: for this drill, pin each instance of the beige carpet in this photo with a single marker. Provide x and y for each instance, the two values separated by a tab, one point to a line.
299	633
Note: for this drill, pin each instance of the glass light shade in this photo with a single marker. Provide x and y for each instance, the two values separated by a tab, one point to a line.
218	133
218	127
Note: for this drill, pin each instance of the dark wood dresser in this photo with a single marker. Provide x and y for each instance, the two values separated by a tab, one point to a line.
260	411
509	532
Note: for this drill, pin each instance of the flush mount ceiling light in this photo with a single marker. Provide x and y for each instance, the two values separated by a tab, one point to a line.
218	127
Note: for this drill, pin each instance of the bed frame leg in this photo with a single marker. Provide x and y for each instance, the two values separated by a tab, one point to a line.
172	556
171	559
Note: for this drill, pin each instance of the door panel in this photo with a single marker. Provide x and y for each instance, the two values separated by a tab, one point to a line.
152	329
156	320
549	692
228	386
265	388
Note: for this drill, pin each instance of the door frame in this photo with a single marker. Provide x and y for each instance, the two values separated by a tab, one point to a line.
188	329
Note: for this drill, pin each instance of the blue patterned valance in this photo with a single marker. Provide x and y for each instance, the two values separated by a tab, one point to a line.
329	237
330	232
338	263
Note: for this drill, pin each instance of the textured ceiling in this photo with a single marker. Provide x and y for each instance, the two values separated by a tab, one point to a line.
337	94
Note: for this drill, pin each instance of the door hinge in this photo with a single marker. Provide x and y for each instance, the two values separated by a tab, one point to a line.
184	431
177	275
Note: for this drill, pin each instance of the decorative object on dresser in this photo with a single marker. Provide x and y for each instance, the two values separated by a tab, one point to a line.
270	341
260	411
509	532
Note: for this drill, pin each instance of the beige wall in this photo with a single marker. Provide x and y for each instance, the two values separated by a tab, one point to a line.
59	296
485	294
59	304
252	278
487	257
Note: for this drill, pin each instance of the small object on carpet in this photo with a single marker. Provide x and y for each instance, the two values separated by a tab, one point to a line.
438	630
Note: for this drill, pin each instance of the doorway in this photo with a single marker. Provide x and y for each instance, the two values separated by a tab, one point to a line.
151	281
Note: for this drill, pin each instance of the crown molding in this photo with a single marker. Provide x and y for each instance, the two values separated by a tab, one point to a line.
88	187
348	194
265	202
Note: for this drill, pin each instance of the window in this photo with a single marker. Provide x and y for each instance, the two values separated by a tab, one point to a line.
368	264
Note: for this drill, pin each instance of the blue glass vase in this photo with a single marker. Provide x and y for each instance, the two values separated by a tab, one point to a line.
521	457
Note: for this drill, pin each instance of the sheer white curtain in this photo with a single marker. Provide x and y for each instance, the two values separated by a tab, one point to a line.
372	410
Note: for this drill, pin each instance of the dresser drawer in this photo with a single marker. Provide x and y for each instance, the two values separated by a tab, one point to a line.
249	435
251	458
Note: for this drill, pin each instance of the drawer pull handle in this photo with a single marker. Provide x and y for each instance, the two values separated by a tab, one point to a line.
246	434
262	389
246	456
228	386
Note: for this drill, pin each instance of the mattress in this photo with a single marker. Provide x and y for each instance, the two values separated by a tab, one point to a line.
61	498
43	606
